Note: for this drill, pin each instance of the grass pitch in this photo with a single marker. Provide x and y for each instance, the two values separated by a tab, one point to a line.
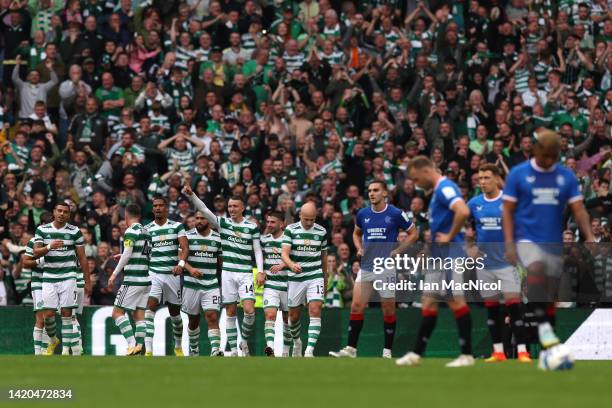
313	383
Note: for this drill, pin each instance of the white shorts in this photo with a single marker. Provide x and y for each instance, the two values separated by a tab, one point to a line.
37	300
62	294
530	253
275	298
236	286
200	300
299	293
166	288
507	276
80	297
132	297
386	277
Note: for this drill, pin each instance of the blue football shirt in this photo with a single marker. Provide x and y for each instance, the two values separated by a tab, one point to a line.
380	231
541	197
487	216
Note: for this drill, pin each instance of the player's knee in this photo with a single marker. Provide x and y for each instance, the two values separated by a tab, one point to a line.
194	322
174	310
314	309
294	315
230	310
152	304
388	308
212	317
357	307
117	313
270	314
249	307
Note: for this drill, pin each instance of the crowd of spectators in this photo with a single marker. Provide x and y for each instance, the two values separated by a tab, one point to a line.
108	102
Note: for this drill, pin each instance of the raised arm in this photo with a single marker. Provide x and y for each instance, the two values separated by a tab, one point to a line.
200	206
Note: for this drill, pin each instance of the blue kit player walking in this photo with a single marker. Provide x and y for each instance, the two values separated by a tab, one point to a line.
375	236
486	211
447	215
536	195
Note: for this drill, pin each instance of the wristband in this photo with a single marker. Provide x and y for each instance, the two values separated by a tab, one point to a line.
181	263
48	247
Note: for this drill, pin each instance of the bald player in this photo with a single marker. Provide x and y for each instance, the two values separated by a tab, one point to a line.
304	251
536	195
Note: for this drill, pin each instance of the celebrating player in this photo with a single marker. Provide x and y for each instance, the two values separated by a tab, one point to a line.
274	279
486	210
536	195
381	223
201	289
239	241
166	263
61	244
447	214
304	252
134	291
35	266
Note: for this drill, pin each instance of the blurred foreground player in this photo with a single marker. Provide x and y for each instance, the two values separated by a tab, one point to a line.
486	211
535	197
447	214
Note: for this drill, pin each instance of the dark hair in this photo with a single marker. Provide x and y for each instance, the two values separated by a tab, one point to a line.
383	185
62	203
276	214
236	197
160	197
133	210
490	167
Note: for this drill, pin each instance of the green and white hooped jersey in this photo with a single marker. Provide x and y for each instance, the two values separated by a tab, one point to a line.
164	246
36	272
203	254
60	264
306	247
237	244
136	271
272	250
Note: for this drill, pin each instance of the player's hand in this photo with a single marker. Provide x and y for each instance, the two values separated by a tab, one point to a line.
260	279
187	190
277	268
442	238
359	253
57	244
296	268
511	254
111	282
195	273
177	270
